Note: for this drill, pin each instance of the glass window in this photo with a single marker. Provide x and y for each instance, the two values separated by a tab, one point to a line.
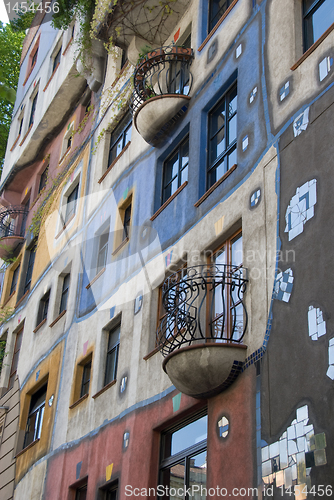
30	268
64	293
86	378
56	60
175	170
318	16
43	179
33	109
222	147
35	417
102	251
15	278
112	355
15	359
71	203
81	493
183	462
120	137
127	222
43	308
216	10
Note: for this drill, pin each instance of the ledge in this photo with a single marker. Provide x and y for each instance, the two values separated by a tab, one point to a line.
215	185
28	74
7	300
65	226
121	246
113	163
167	202
39	325
151	353
57	318
26	134
27	448
106	387
15	142
214	29
78	401
64	155
312	48
49	80
68	46
21	299
95	278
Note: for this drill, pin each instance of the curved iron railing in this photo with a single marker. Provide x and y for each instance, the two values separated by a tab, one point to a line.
203	304
163	71
13	220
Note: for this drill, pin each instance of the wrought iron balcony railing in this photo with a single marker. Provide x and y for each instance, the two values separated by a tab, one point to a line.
203	304
163	71
13	221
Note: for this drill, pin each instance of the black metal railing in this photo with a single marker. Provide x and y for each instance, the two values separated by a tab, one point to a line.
162	71
13	220
203	304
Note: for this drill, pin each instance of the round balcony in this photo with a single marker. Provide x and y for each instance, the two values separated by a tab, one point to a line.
162	84
12	228
201	333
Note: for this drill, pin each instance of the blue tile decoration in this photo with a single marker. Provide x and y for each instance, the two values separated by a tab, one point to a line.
138	303
245	143
112	312
301	208
238	51
123	384
255	198
126	439
316	323
78	470
252	95
176	402
37	374
223	427
283	285
301	122
284	91
325	67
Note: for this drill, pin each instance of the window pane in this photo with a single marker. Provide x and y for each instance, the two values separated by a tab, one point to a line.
197	473
232	129
232	158
173	477
191	434
111	366
237	251
322	19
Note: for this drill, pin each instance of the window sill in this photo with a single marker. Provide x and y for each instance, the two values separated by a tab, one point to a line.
21	299
151	353
29	73
68	46
27	448
26	134
39	325
121	246
214	29
167	202
113	163
57	318
65	226
7	300
215	185
78	401
15	142
95	278
105	388
49	80
312	48
64	155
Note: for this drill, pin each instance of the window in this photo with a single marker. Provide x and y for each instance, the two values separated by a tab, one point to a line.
175	170
30	268
127	221
43	308
3	343
64	293
216	9
81	493
43	179
318	16
227	309
20	125
32	60
111	493
56	60
222	146
15	359
35	416
86	378
71	204
102	251
15	277
183	460
33	109
112	355
120	137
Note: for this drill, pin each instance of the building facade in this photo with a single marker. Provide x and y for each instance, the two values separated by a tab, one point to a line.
165	227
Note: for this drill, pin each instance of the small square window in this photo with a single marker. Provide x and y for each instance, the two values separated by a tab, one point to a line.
175	170
35	416
43	308
318	16
64	293
120	137
86	378
112	355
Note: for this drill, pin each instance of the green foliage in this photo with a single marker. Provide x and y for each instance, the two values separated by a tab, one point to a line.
10	55
2	352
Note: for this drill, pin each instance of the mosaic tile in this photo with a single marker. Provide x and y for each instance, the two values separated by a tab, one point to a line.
330	372
126	439
316	323
301	122
252	95
223	425
245	143
320	457
320	441
284	91
288	477
138	303
78	470
255	198
283	285
238	51
109	469
176	402
325	67
300	209
302	413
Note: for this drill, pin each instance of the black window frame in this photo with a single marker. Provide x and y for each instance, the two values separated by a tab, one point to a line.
127	221
15	358
180	169
120	136
33	110
308	13
36	410
64	292
71	203
102	250
223	157
30	268
81	492
56	60
86	377
167	461
43	179
219	12
43	307
112	354
14	282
